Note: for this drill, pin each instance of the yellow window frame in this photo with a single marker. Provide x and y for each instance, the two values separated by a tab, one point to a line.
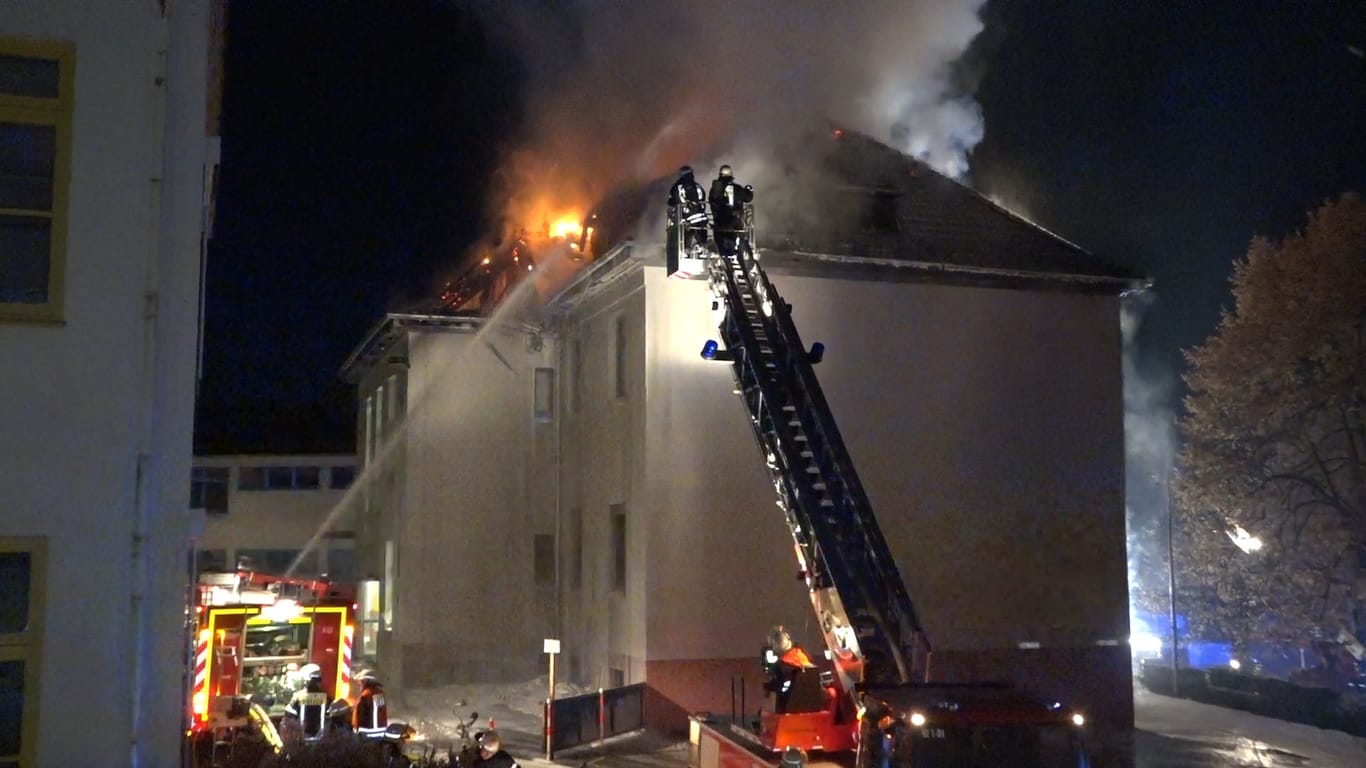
26	646
54	112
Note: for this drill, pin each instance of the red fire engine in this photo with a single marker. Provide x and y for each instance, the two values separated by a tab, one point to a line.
255	631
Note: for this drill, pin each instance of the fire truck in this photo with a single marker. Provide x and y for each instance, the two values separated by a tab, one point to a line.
253	632
875	698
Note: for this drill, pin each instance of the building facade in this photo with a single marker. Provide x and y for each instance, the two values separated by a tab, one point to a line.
455	528
612	484
275	514
106	183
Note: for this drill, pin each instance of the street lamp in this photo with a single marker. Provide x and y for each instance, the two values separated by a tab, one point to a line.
1244	540
1171	568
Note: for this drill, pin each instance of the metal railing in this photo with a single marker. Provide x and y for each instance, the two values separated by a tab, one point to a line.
593	717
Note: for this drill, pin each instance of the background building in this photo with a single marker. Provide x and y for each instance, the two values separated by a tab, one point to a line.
268	511
455	530
588	477
106	183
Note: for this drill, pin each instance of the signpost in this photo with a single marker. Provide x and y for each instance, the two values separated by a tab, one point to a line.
552	647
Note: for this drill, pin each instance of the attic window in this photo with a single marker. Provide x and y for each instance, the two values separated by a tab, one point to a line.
879	213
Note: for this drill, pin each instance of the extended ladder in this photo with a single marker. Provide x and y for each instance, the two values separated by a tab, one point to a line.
865	613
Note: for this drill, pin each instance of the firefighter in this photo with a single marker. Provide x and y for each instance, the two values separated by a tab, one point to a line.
784	663
307	710
491	752
728	201
370	713
689	201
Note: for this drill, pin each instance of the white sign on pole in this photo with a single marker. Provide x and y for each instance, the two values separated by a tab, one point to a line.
552	646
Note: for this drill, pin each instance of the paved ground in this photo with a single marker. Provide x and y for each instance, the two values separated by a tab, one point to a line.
1171	733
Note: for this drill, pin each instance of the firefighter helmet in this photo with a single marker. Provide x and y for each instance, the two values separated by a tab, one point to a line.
685	170
793	757
310	672
726	172
367	677
489	741
779	639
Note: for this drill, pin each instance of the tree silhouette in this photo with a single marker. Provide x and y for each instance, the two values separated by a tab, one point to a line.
1275	447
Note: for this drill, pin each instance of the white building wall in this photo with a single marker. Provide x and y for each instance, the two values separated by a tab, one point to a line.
98	409
465	509
604	466
300	520
986	426
720	555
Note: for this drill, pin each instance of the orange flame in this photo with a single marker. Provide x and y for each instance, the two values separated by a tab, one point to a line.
568	226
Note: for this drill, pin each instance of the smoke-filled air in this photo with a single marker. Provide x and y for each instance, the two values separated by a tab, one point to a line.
619	93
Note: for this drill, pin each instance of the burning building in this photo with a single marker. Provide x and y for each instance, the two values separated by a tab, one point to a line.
579	473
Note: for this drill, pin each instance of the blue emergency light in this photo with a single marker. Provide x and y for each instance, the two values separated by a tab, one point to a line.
817	353
709	349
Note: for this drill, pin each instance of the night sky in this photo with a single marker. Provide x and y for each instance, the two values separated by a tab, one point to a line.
360	142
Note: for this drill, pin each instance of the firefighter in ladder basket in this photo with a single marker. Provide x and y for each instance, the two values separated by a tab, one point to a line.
728	201
688	204
792	679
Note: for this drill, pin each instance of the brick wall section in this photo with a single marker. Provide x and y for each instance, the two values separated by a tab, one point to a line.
681	687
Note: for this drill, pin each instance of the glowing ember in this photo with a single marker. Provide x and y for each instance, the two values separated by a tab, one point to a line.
567	226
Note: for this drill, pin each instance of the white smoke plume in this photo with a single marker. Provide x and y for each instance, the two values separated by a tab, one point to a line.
1150	445
1149	415
619	91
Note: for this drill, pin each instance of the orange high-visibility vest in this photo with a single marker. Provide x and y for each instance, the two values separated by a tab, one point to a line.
796	657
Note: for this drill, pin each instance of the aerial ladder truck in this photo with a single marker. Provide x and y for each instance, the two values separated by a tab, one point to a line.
878	705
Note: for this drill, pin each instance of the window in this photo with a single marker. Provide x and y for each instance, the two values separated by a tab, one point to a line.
545	394
307	478
209	489
35	151
391	403
619	547
619	353
369	617
575	536
390	573
279	561
210	560
616	678
251	479
341	562
23	565
279	478
380	416
572	378
341	477
880	215
543	549
368	429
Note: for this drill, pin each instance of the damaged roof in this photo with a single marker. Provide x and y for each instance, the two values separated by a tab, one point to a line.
894	211
862	207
